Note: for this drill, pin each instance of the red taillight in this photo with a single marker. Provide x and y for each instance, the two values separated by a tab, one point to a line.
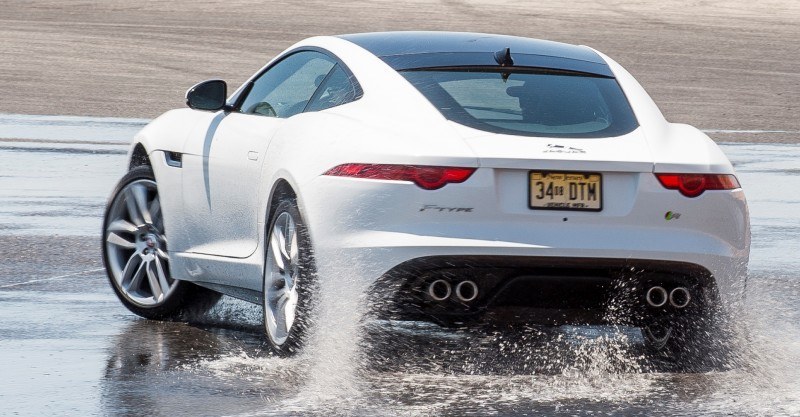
427	177
692	185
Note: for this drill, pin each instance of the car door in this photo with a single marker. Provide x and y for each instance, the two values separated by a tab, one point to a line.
224	156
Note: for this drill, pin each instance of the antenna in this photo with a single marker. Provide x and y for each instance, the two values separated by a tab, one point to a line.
503	57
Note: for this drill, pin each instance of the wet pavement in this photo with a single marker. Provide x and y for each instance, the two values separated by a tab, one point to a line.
67	347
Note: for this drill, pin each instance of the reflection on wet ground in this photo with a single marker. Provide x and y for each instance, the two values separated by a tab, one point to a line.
68	347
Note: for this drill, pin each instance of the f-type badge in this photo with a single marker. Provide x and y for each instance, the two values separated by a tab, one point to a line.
440	209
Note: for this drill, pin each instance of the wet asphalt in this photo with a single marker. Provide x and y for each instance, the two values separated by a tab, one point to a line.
68	347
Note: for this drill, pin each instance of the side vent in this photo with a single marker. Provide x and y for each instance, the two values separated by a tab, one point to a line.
174	159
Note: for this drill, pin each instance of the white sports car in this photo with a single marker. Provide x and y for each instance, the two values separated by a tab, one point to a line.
476	179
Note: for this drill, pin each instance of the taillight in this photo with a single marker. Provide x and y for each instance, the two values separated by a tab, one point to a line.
427	177
692	185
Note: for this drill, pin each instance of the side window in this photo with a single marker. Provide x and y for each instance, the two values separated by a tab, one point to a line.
337	89
285	89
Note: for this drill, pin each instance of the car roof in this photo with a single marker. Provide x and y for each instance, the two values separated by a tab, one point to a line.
414	50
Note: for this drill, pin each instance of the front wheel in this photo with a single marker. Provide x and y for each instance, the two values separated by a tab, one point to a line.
136	255
288	279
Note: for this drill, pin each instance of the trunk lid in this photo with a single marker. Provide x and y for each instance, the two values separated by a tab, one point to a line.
627	153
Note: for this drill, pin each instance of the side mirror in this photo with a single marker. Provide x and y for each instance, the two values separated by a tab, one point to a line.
207	95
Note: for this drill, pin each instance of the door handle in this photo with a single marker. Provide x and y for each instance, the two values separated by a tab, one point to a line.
252	155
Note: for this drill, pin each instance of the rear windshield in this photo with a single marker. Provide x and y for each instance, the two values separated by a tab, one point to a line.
528	103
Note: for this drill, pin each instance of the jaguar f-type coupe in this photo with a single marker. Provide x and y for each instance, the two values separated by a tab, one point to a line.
474	178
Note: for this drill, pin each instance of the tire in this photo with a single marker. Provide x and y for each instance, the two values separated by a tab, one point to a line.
289	281
695	343
135	254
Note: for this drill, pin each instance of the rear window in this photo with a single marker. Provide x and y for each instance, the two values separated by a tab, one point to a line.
528	103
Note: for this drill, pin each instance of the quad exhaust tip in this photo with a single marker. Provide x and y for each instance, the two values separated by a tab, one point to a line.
439	290
679	297
657	296
466	291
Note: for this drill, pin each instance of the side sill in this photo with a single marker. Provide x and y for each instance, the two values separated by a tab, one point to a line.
243	294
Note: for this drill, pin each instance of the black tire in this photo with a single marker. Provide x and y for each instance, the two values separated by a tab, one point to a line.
305	282
694	343
184	299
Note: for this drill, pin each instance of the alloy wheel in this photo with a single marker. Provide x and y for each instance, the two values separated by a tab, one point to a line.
280	279
136	245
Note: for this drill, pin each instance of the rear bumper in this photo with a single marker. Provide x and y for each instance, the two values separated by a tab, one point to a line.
379	257
539	290
366	228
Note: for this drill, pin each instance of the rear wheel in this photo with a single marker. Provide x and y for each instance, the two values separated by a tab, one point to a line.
288	279
136	256
693	342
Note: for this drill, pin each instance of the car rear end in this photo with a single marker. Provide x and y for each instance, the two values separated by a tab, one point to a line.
530	264
564	216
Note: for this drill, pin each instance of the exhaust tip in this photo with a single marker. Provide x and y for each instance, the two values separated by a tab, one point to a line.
439	290
466	291
679	297
657	296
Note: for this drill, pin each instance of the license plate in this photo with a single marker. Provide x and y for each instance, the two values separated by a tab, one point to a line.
565	191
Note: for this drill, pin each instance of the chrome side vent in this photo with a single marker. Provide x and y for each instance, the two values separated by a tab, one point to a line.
174	159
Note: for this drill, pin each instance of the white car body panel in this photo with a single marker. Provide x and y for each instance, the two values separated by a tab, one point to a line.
222	161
